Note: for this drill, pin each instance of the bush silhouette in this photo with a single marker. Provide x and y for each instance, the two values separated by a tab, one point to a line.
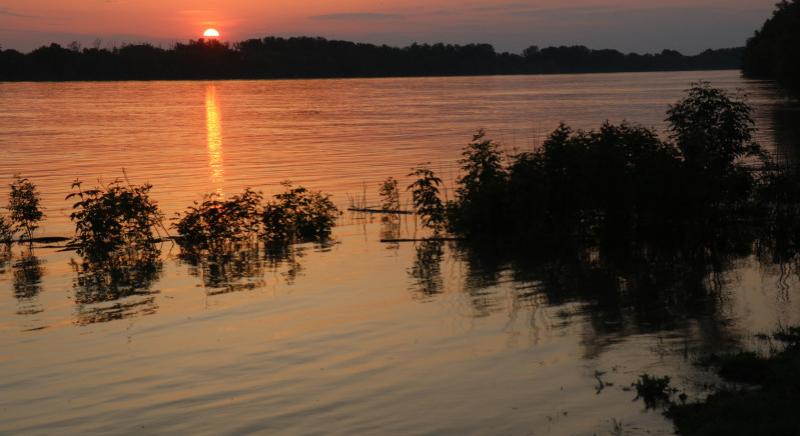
216	220
24	208
114	217
425	196
295	214
298	214
620	181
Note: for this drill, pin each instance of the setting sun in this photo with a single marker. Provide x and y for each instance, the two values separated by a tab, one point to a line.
211	33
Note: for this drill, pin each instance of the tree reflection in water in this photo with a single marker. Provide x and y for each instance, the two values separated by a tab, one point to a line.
240	266
390	229
28	273
621	287
5	257
426	271
116	286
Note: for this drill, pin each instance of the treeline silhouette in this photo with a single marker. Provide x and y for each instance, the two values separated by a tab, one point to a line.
774	51
306	57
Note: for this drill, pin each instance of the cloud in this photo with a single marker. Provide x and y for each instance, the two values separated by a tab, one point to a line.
356	16
7	12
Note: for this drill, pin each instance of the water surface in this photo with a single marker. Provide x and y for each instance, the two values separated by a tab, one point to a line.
354	335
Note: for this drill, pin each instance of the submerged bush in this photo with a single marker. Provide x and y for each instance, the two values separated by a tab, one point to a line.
481	186
618	182
711	129
767	406
216	219
298	214
113	217
295	214
23	203
425	195
654	390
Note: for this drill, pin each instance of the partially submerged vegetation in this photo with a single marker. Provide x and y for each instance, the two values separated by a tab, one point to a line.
24	209
216	219
761	398
296	214
425	197
621	182
113	218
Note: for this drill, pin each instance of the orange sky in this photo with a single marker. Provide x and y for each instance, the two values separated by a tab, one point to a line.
643	25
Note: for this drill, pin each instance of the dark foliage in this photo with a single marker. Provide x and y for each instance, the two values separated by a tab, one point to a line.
23	205
298	214
774	51
221	220
653	390
273	57
769	408
621	182
479	197
425	196
114	217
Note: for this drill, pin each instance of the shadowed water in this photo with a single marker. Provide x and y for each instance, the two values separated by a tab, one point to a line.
353	335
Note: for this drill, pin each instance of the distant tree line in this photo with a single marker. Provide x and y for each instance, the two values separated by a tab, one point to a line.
305	57
774	51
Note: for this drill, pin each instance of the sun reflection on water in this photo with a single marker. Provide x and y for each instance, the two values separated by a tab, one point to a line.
214	135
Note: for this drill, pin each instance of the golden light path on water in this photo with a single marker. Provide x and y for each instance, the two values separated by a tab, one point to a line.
214	138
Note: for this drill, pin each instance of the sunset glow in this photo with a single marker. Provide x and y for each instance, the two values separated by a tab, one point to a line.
508	25
211	33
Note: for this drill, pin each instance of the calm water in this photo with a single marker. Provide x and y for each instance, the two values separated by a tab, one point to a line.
355	336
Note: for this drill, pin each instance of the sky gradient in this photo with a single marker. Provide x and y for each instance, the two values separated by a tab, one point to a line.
627	25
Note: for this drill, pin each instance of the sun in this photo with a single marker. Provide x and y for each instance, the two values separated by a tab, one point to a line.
211	33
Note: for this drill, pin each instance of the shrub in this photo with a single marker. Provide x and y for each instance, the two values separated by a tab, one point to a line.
298	214
425	195
23	203
711	129
221	220
617	182
112	217
481	188
654	390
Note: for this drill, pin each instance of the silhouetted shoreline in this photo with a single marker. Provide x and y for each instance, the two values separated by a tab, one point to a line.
772	52
307	58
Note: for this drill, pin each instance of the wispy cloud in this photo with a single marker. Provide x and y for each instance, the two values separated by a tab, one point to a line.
356	16
8	12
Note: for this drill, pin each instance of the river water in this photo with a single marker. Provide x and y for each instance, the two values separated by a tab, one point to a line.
355	335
